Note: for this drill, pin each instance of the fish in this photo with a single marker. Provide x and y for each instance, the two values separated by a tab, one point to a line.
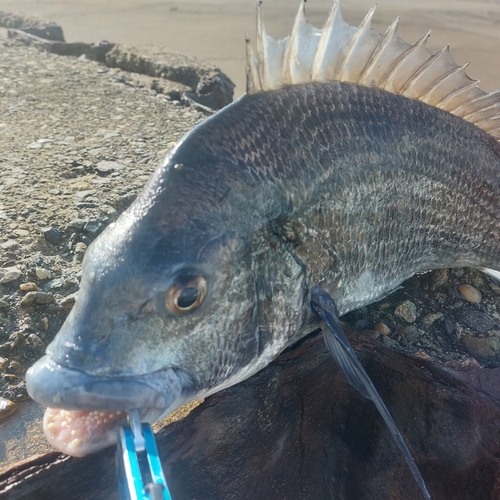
353	162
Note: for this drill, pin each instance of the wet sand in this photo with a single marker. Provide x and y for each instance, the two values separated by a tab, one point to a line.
213	30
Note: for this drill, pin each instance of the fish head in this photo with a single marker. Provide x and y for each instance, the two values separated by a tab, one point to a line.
174	304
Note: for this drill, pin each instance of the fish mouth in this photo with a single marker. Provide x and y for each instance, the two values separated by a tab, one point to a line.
85	411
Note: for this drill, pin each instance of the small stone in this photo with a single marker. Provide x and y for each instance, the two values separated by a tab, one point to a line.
4	304
52	235
10	245
16	340
108	210
35	342
7	408
37	298
382	328
80	249
69	300
35	145
28	287
106	167
21	232
406	311
470	293
15	367
42	273
77	224
85	194
8	274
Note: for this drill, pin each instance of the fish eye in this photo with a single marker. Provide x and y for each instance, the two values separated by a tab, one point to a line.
186	294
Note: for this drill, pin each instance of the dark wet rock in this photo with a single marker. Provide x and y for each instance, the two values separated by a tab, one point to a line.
4	304
480	348
52	235
37	299
477	320
406	311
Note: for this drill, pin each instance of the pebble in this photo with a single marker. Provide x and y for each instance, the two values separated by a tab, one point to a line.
7	408
8	274
80	186
42	273
406	311
10	245
84	194
37	299
470	293
52	235
382	328
28	287
106	167
35	341
21	232
4	304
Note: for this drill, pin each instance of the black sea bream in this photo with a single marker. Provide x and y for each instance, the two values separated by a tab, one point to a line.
353	162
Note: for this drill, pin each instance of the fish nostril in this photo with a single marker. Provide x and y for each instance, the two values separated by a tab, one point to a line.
145	308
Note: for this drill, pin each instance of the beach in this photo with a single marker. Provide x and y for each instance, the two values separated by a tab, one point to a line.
214	30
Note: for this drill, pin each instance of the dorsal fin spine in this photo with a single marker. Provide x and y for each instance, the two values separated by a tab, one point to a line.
340	52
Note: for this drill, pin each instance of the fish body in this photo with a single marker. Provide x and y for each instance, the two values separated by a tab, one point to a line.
208	275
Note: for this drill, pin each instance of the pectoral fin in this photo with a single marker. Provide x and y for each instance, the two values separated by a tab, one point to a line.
349	364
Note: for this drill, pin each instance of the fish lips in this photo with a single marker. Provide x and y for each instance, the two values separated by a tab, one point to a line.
56	386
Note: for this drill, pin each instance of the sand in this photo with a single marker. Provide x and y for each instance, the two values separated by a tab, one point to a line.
213	30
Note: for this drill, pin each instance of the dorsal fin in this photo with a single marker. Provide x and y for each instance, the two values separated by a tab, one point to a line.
340	52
